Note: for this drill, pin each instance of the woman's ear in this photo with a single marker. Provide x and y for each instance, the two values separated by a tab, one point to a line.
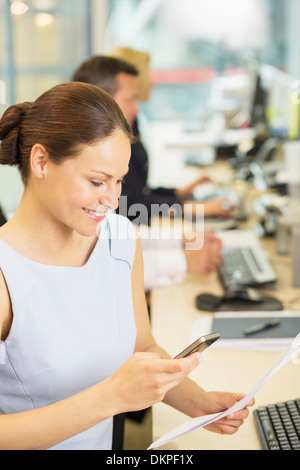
38	160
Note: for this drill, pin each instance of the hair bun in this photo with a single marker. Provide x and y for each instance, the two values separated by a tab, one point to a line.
10	133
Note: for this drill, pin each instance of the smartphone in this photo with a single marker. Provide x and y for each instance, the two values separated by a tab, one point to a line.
199	345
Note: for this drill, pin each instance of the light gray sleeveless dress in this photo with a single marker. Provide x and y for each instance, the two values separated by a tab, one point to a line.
72	327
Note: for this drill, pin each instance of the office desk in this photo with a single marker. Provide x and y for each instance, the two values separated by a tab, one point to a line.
173	314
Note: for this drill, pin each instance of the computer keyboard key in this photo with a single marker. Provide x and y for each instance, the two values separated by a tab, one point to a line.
268	430
285	447
274	445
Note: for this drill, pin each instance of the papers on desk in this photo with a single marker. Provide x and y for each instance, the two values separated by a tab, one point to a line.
231	326
194	423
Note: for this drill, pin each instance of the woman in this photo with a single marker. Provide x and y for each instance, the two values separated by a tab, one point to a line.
76	342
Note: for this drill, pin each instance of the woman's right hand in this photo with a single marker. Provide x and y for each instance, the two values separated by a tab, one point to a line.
145	378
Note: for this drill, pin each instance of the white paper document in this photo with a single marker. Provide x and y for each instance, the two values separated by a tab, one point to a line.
194	423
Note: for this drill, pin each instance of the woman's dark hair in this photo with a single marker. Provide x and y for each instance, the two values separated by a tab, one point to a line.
63	119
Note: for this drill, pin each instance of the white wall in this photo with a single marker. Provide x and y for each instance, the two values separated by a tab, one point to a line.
11	189
99	24
293	39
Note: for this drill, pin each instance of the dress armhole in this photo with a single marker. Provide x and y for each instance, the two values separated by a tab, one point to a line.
6	315
122	238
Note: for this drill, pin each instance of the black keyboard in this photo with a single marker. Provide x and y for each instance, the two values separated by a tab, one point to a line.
235	269
278	425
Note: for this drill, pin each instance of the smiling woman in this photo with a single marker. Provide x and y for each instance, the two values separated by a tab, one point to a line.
72	148
74	326
55	141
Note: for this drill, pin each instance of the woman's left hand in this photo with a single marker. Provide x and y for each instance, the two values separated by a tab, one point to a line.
219	401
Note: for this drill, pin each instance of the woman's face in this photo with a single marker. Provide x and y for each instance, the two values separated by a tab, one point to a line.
80	190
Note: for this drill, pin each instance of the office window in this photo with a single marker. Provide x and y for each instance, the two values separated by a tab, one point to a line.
192	42
42	41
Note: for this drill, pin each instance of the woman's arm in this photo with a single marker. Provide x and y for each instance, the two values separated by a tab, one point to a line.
186	396
45	427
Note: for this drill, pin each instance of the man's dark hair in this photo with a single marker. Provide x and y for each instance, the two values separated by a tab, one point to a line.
102	71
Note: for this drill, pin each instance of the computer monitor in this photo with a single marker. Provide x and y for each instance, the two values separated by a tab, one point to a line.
257	100
277	85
